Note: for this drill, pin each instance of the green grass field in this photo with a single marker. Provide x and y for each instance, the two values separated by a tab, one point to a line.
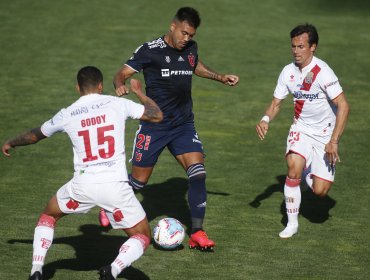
44	43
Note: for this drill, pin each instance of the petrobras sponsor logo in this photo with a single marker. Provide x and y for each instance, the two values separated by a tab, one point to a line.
331	84
181	72
307	96
168	73
159	43
165	72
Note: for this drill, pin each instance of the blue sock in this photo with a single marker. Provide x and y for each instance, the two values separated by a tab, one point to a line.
197	195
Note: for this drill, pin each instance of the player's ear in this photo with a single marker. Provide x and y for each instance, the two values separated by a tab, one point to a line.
313	47
100	87
78	88
172	26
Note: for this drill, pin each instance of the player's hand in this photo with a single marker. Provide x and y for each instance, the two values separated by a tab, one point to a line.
122	90
261	129
5	149
230	80
332	155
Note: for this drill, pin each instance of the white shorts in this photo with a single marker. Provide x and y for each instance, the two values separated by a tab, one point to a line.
313	151
117	198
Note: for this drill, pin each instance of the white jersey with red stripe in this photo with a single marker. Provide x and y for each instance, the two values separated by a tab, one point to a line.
95	123
313	88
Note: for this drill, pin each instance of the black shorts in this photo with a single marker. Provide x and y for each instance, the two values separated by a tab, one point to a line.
149	143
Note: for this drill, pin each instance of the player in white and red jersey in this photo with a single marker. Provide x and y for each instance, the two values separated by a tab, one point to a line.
320	115
95	123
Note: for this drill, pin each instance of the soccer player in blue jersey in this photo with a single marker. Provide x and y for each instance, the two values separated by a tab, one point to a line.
168	64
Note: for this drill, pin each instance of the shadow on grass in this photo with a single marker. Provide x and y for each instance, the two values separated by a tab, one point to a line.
94	248
313	208
169	199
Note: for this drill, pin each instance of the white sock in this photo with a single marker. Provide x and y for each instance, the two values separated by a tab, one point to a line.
42	240
292	194
129	252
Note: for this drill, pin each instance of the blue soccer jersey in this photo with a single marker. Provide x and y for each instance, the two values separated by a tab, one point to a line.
168	77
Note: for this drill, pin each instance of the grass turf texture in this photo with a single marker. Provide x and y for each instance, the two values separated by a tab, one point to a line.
44	43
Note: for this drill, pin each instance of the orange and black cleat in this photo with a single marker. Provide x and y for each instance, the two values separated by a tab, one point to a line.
199	240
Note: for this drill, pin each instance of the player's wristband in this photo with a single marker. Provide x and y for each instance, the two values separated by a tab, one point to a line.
265	118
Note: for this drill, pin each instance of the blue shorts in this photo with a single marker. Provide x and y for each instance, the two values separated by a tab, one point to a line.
149	143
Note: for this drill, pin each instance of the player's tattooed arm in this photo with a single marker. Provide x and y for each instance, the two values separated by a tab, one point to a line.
152	112
27	138
204	71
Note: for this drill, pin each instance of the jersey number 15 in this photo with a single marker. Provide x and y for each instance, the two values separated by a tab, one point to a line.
102	138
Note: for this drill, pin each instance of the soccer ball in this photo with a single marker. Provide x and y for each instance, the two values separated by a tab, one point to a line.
168	233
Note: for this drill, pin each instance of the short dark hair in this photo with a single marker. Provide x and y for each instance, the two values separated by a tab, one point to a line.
89	77
313	36
188	14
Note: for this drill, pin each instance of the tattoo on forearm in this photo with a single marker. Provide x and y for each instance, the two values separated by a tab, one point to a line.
30	137
152	111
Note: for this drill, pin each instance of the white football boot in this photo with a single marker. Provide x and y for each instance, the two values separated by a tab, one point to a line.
289	231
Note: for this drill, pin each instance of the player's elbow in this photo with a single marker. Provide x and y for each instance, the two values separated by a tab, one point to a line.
158	118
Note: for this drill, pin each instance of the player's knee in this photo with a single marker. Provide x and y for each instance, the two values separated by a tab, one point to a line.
136	184
320	192
321	189
196	171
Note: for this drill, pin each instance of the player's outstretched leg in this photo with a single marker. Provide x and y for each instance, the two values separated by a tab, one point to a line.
292	193
43	238
103	218
197	197
130	251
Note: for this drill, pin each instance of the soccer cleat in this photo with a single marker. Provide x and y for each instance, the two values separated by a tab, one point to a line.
289	231
103	218
106	273
36	276
199	240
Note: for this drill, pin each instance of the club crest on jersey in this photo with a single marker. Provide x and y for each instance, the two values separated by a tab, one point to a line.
191	58
309	78
168	59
